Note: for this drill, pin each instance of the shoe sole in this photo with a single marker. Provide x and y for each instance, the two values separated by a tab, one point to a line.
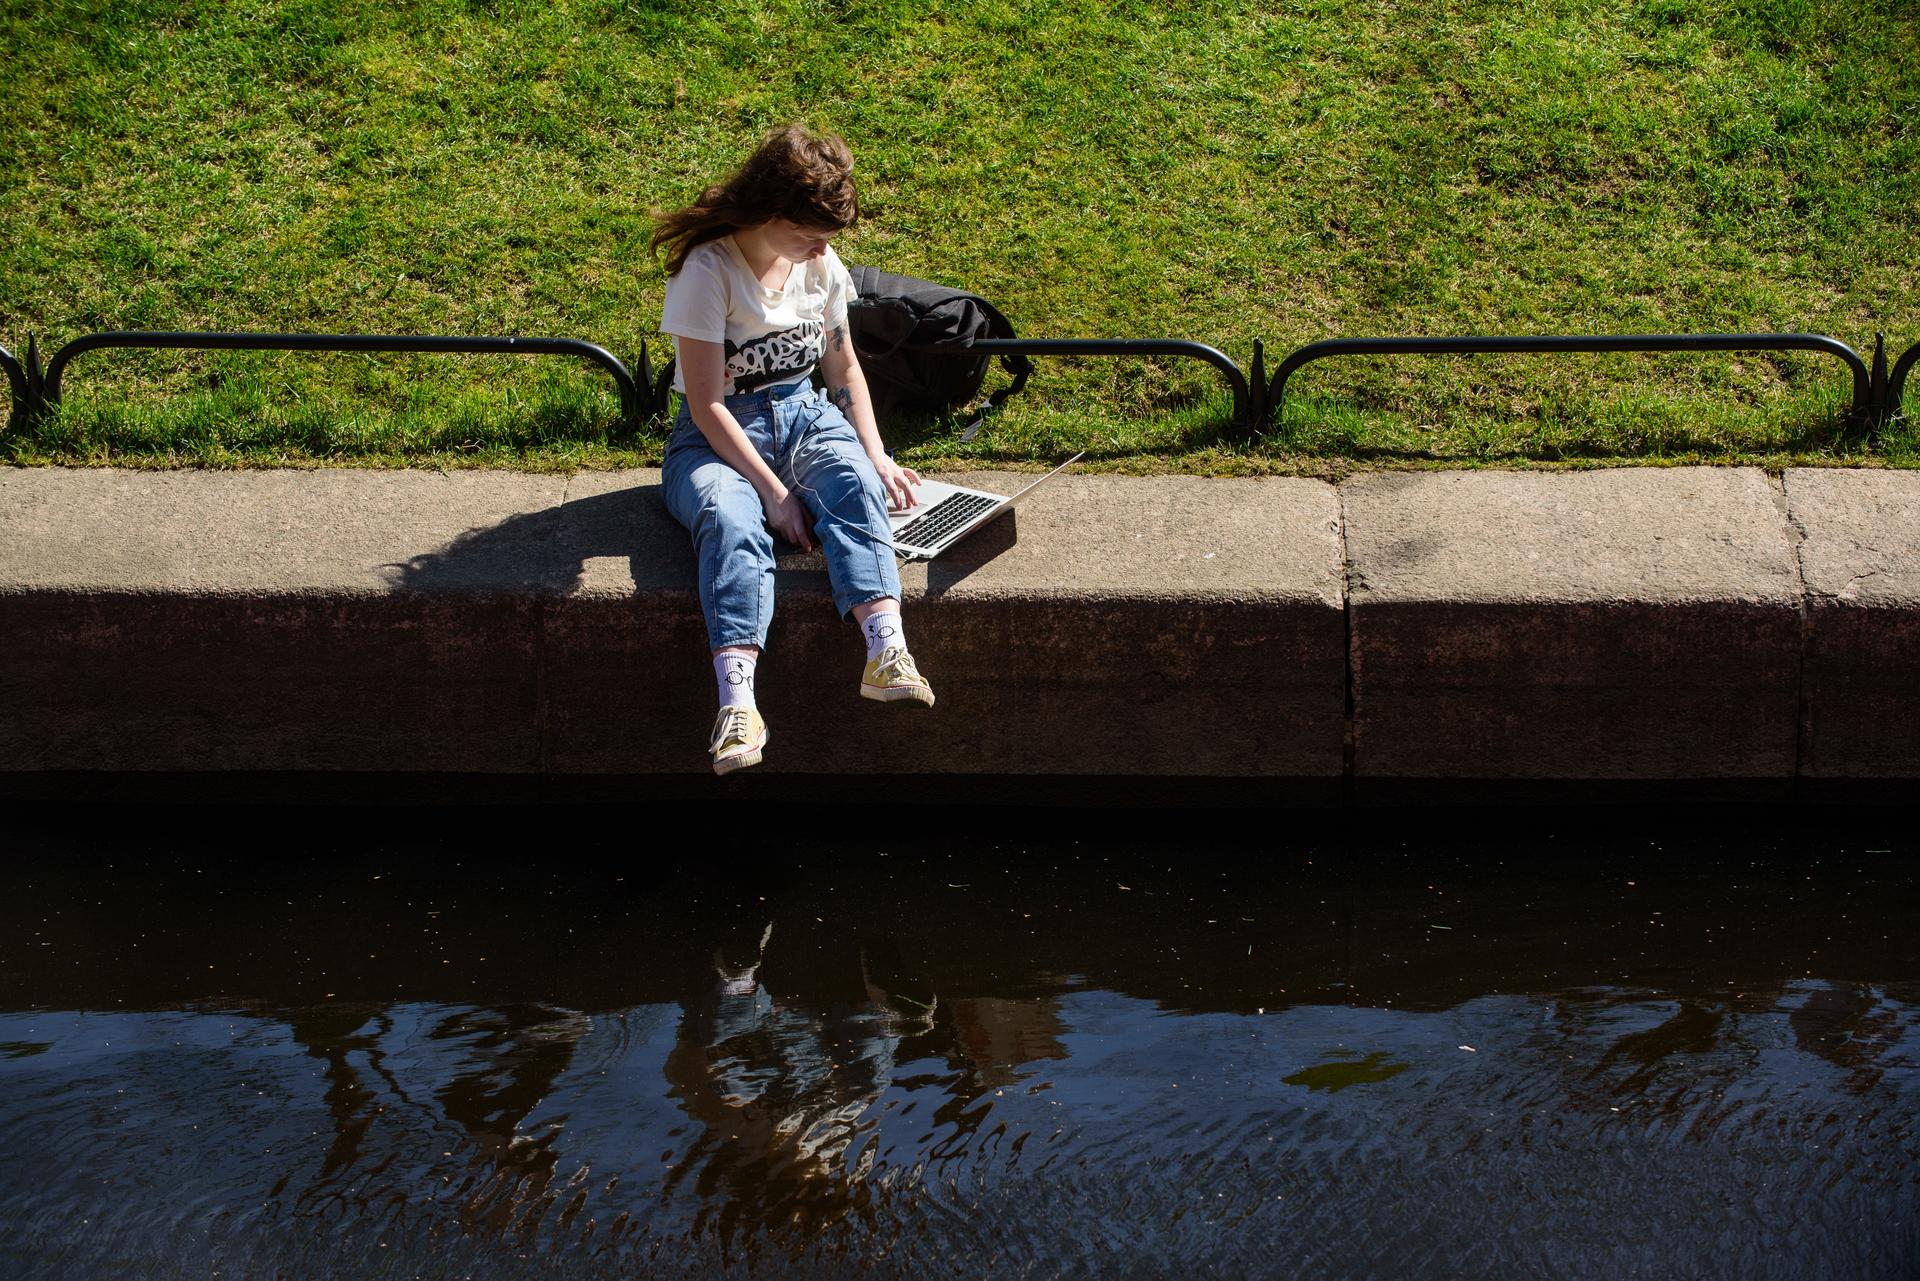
898	694
740	760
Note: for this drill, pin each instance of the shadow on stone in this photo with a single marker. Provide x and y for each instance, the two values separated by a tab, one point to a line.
951	568
550	551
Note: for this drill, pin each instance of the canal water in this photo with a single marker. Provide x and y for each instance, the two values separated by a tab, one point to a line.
562	1044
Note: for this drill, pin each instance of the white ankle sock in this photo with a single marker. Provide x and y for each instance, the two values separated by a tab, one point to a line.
884	632
734	673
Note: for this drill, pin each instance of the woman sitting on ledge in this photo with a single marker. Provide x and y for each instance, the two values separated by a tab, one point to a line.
755	300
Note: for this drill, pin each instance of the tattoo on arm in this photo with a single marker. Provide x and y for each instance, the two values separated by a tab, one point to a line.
842	397
840	338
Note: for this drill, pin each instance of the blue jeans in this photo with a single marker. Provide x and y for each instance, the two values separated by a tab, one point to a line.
812	448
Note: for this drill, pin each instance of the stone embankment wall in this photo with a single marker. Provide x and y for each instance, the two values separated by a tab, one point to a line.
1643	624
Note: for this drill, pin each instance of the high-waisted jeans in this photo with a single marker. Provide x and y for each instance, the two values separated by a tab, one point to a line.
812	448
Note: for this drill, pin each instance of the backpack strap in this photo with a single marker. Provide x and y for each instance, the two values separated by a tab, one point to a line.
1015	363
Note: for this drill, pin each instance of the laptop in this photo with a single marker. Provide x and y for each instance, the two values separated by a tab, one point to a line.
948	513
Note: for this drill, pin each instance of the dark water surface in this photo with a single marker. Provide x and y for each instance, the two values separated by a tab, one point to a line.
358	1043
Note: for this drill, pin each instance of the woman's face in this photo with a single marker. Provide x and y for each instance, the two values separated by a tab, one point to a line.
796	243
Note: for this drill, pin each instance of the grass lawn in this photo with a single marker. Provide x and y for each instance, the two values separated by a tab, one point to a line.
1290	170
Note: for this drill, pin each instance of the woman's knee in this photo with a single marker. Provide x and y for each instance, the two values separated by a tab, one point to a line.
722	504
842	474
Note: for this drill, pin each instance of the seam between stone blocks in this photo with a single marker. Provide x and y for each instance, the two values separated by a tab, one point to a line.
1796	538
1347	637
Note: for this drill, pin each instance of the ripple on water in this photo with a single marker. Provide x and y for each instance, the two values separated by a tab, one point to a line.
1077	1131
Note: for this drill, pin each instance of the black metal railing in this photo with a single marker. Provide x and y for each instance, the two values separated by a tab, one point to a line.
1258	402
19	391
631	402
1897	383
1863	410
1245	409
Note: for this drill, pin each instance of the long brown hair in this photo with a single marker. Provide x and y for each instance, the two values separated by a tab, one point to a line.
796	174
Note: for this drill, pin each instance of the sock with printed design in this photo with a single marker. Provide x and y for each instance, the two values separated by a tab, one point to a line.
884	632
734	673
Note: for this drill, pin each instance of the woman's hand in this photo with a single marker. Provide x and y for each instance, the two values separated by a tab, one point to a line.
898	481
790	519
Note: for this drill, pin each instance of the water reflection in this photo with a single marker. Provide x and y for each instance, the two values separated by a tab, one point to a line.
745	1127
471	1075
811	1081
780	1094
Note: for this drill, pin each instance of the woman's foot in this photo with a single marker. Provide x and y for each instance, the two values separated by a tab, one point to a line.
739	735
892	678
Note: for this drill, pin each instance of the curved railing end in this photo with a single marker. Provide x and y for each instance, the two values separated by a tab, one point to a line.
16	386
1897	380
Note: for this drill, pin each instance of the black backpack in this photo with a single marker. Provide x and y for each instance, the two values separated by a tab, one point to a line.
891	314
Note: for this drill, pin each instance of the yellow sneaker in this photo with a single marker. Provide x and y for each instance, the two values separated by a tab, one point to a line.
738	737
892	678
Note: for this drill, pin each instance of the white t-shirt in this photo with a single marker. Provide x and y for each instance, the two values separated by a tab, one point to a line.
773	337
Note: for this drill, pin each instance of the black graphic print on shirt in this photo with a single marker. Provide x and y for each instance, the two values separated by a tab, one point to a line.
776	358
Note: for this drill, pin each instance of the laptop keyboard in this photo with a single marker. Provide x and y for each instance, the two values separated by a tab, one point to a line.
945	516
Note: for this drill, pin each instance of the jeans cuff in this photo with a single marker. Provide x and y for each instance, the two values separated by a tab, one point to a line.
846	615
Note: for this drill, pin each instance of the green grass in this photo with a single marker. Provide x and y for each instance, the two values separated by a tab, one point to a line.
1219	171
